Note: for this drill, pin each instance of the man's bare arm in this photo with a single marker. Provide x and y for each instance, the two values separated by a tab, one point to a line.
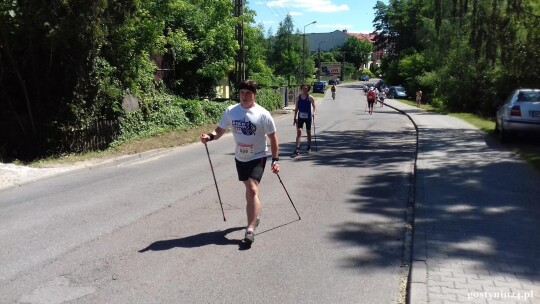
206	137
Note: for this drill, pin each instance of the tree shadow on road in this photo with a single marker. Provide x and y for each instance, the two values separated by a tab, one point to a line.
479	202
381	193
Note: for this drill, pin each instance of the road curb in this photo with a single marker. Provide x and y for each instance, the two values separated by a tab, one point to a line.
414	252
85	165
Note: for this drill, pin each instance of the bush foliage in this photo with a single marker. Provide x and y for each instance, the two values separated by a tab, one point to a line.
163	113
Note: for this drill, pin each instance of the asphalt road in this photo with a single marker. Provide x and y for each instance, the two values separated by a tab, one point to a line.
151	230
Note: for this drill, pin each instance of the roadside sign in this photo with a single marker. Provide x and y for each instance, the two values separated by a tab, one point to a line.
331	69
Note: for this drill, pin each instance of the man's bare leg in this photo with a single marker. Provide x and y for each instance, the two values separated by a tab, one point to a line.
298	137
253	205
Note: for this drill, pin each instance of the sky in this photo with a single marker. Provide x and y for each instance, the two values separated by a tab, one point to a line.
356	16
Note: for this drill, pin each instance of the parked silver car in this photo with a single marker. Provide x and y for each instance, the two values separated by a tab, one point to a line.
397	92
520	112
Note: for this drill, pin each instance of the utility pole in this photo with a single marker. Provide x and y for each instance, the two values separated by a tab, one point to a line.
319	65
304	52
240	67
343	68
319	55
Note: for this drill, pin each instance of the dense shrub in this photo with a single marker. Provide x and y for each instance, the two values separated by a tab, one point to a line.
162	113
269	99
194	111
438	103
214	110
202	112
156	115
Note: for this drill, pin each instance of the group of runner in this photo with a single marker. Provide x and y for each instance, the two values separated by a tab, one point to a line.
373	95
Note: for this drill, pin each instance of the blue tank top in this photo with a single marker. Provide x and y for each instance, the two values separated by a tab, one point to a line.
304	107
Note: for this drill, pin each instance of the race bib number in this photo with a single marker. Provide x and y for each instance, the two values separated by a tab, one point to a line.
244	152
303	115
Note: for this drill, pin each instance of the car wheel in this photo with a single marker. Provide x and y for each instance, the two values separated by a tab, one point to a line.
504	136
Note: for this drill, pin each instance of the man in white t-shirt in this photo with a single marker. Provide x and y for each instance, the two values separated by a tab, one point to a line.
250	124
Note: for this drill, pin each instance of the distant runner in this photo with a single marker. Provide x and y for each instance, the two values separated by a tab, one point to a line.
371	97
303	115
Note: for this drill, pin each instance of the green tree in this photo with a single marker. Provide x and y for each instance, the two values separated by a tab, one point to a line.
65	65
256	52
358	51
206	35
396	25
325	57
286	51
53	53
465	53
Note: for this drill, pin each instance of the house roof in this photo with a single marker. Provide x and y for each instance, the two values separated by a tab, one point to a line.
370	37
337	38
326	41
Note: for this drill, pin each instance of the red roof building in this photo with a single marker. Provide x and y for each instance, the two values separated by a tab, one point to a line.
377	54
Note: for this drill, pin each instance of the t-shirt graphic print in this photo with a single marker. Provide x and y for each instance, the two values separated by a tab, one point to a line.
245	127
249	128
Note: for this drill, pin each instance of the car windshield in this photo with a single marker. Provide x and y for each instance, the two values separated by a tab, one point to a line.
399	89
528	96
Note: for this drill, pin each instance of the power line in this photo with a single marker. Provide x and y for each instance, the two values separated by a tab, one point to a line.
271	9
283	12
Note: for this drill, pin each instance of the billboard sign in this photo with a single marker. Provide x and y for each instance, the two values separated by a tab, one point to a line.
331	69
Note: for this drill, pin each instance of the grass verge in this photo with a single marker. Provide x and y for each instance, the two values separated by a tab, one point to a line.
165	140
162	141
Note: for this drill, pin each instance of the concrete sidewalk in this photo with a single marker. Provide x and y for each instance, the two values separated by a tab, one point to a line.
477	217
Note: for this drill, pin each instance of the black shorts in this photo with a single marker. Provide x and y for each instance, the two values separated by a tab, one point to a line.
301	121
253	169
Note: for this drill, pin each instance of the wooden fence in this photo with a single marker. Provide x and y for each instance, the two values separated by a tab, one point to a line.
98	136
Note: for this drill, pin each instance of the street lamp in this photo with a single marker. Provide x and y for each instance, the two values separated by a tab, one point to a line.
319	55
304	53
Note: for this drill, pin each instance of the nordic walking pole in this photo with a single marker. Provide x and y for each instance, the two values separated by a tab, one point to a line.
315	134
215	182
288	196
